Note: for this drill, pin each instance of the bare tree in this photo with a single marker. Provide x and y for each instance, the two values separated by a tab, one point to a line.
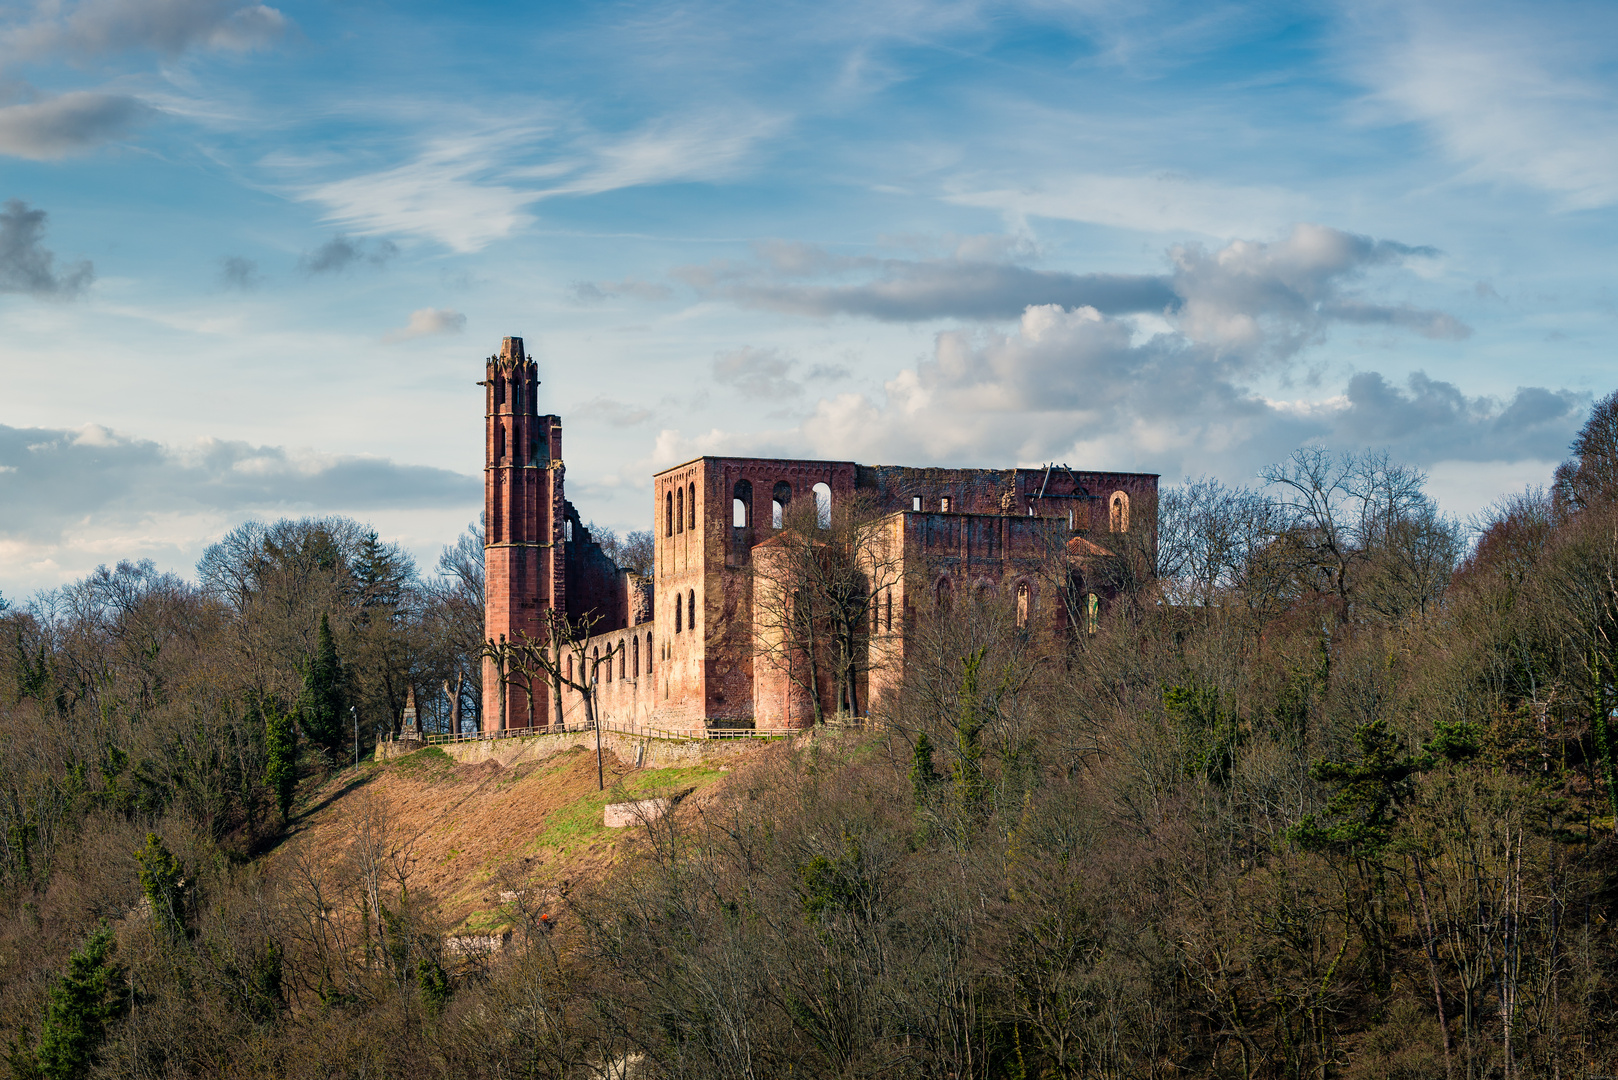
815	588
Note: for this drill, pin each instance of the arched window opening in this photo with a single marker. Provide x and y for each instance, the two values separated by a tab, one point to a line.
1118	519
648	654
679	510
609	663
778	505
944	594
622	659
567	530
570	669
595	663
741	504
876	613
823	505
1072	519
500	442
691	508
668	514
1092	613
887	604
679	614
635	666
1022	605
691	609
499	390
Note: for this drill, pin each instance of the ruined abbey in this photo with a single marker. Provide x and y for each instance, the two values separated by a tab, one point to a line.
697	646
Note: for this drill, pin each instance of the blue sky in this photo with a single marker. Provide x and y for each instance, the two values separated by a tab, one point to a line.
251	256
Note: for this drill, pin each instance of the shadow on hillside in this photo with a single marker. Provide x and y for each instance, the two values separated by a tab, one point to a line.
352	781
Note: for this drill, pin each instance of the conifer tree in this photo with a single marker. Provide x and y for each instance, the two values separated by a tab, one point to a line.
87	997
162	882
281	755
322	703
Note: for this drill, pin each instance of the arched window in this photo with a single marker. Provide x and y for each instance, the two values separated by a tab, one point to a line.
668	514
609	663
635	649
1118	517
679	510
500	443
679	613
648	654
778	505
1022	604
595	663
622	659
691	609
741	504
944	594
567	530
569	669
499	390
1092	612
691	508
887	603
823	505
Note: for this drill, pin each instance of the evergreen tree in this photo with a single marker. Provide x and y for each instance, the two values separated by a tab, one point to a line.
281	755
922	776
162	881
87	997
322	704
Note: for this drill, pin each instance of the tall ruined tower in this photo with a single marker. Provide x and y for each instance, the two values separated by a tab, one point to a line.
523	553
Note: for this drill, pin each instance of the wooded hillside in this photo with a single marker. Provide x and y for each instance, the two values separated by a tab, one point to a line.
1330	791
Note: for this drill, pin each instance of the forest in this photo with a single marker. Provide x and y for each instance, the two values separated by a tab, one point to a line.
1328	789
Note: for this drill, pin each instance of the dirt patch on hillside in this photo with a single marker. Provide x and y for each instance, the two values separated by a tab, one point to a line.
466	834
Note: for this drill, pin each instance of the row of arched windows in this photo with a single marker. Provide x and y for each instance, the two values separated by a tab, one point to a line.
690	606
678	512
628	660
741	504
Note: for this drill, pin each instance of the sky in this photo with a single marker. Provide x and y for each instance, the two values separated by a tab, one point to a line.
252	257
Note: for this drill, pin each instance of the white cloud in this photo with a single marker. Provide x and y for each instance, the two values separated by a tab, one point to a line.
468	191
425	321
1160	203
1513	94
100	27
68	124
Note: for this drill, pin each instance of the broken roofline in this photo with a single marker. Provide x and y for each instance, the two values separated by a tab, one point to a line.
831	463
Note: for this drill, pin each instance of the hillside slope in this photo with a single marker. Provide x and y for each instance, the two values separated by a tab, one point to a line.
463	833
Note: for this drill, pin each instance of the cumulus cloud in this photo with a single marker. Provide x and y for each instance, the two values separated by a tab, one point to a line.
1253	297
425	321
94	28
54	480
341	252
1249	297
1078	385
26	266
67	124
237	272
